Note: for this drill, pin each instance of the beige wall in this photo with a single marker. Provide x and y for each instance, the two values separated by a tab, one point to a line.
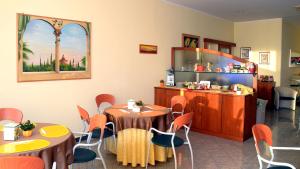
261	35
117	67
290	40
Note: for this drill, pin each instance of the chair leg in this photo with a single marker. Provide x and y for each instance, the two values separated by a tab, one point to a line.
101	157
175	159
54	165
192	156
148	153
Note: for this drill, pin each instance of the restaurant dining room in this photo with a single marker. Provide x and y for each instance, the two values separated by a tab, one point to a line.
150	84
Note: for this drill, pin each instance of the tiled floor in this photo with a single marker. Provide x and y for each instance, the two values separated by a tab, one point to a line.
217	153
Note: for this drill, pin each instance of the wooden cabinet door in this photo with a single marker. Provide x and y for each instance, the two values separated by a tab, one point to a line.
233	108
191	106
160	97
197	109
190	96
169	94
211	112
265	90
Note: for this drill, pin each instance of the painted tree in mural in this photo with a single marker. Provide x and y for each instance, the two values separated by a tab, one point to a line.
51	45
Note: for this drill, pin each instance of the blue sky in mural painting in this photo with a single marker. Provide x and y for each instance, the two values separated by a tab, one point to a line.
40	38
73	42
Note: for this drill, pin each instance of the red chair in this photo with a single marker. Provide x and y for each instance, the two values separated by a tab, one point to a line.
83	152
170	140
21	162
11	114
84	115
104	101
177	102
263	133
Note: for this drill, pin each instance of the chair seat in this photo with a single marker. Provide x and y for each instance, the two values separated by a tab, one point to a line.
279	167
82	155
96	134
287	98
83	138
107	133
165	140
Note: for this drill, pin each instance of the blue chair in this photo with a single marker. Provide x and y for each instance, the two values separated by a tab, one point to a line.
82	151
170	140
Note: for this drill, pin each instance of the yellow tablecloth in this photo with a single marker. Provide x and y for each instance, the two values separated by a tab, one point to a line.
132	147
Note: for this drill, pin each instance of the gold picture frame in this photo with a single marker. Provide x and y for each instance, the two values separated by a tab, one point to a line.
148	49
51	48
264	58
190	41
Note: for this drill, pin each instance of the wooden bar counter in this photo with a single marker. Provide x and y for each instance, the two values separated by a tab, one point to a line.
217	113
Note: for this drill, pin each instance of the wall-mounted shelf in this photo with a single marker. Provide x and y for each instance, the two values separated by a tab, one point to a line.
214	72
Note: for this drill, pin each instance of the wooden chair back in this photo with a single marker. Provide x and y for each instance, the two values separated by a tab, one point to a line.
21	162
98	121
180	121
84	115
261	132
178	100
105	98
11	114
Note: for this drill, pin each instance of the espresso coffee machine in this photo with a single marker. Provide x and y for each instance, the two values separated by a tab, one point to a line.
170	78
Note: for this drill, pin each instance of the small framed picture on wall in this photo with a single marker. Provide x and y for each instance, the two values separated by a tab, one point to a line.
245	52
190	41
264	58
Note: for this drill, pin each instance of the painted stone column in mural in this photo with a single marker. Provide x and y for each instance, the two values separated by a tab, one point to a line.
57	33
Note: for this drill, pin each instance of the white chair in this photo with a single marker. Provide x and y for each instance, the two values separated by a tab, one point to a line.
82	151
84	115
176	103
262	133
285	97
170	140
104	101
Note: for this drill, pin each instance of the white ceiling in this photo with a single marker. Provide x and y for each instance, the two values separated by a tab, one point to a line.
243	10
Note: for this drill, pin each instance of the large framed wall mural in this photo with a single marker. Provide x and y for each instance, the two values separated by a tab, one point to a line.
52	48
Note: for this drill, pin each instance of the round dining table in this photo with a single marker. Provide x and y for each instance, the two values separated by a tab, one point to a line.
50	142
133	136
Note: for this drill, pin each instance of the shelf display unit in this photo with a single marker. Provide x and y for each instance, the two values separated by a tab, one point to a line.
218	112
196	64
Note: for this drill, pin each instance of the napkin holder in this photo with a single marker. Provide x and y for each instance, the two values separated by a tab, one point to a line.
11	131
136	109
130	104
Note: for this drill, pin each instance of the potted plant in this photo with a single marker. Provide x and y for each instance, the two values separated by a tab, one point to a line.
139	103
161	83
138	106
27	128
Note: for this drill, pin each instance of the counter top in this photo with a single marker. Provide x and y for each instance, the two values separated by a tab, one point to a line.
228	92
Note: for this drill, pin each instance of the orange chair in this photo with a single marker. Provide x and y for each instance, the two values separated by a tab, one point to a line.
11	114
170	140
261	133
21	162
177	102
104	101
81	154
84	115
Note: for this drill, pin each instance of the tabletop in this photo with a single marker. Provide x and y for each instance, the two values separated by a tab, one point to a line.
150	116
52	143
